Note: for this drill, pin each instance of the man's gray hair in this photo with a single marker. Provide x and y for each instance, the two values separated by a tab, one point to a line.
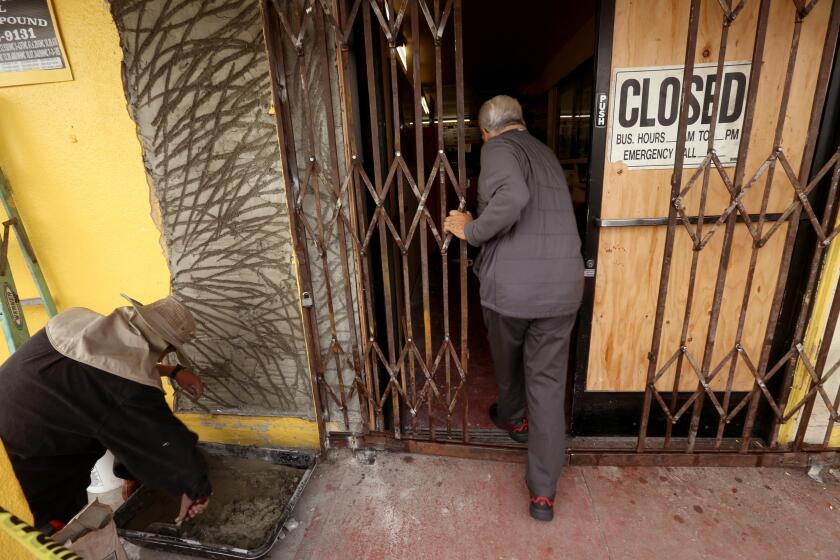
499	112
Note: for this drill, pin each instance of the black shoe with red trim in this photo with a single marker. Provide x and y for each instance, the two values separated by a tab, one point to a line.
518	431
542	508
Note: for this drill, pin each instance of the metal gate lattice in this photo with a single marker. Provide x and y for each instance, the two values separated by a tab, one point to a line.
681	360
344	217
355	223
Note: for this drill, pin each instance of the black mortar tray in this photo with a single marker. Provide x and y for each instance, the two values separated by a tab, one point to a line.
289	457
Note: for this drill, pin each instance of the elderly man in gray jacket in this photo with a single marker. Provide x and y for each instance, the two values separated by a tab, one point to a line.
531	274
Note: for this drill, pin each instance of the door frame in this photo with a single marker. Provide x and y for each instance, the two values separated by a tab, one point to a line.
592	412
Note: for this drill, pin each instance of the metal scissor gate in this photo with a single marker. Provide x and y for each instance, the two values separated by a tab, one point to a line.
359	225
388	350
799	184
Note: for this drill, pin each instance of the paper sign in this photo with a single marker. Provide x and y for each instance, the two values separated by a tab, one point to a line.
646	110
31	51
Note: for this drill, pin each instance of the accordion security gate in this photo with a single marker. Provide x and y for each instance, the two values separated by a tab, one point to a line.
357	209
337	84
680	360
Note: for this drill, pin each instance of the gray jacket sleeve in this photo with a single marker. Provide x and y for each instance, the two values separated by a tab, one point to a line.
502	194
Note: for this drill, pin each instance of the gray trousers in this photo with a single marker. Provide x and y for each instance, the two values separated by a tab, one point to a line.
531	357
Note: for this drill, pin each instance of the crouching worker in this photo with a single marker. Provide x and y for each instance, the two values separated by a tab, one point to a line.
86	383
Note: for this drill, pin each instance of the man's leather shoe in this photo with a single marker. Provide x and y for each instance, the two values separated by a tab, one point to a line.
542	508
518	431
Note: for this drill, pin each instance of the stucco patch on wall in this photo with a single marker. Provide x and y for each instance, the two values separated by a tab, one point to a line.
196	78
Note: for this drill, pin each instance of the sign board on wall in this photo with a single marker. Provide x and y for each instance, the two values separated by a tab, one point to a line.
646	107
31	51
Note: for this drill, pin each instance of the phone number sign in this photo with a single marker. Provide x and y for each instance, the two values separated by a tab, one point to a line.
30	45
646	109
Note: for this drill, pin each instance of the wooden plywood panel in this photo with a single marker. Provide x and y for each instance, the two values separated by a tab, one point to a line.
625	303
629	259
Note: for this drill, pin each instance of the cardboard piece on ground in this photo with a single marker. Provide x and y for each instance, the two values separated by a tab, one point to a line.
94	516
101	544
92	534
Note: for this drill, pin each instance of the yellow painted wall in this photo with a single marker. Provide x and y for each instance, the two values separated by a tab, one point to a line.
814	336
11	498
72	157
267	431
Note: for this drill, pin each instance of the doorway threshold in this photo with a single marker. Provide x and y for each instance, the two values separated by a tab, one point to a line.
597	451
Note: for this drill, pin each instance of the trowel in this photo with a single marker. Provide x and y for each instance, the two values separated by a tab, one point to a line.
164	529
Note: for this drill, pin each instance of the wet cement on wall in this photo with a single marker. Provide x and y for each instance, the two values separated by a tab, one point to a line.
196	79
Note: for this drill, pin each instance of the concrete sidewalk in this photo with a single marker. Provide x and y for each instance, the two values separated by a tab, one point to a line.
418	507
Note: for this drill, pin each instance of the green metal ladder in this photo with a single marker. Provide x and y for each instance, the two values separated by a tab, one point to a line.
14	322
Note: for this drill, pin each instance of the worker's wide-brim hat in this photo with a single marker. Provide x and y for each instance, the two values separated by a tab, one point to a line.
169	318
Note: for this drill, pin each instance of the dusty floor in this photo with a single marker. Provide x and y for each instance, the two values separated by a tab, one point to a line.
417	507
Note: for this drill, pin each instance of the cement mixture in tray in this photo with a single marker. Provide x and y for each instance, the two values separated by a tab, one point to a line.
249	496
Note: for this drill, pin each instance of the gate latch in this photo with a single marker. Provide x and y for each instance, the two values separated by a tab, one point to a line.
306	299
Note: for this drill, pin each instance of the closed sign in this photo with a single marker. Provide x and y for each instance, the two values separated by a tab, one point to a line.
646	110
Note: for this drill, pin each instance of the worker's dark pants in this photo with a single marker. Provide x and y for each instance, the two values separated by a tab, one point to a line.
531	358
55	487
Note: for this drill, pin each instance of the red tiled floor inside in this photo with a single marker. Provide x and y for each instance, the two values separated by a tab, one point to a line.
480	390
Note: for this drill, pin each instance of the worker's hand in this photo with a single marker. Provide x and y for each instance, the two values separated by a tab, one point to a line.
191	383
456	222
190	508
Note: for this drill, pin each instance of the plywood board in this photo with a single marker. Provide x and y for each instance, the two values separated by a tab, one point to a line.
630	259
